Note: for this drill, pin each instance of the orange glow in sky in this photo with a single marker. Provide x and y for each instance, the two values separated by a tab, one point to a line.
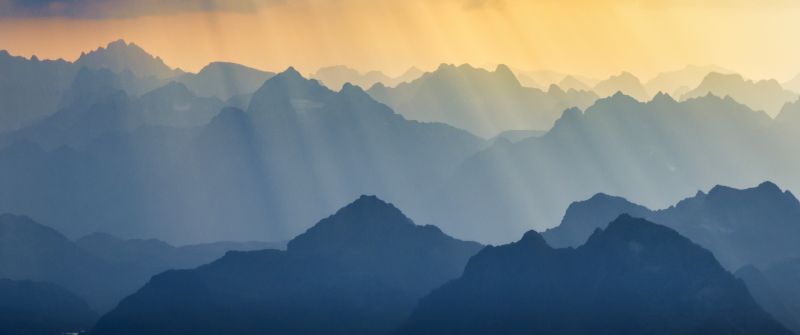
595	38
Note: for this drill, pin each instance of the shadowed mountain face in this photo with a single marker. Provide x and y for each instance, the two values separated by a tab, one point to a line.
99	268
225	80
624	82
33	308
299	151
756	226
634	277
656	153
359	271
764	95
482	102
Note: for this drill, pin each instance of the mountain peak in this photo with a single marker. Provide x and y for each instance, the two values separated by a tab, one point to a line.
120	56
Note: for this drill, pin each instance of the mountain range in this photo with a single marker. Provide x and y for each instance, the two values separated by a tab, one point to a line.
625	83
633	277
653	153
359	271
297	140
483	102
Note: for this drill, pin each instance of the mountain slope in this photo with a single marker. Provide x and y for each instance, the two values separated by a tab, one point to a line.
357	271
634	277
225	80
483	102
41	309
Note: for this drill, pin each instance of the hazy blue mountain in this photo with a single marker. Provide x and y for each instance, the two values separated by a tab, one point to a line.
764	95
757	226
33	308
776	289
359	271
624	82
788	120
545	78
334	77
97	104
175	105
483	102
678	82
99	268
653	153
152	256
634	277
225	80
120	56
30	89
299	143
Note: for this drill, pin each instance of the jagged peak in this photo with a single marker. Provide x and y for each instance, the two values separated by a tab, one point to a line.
662	97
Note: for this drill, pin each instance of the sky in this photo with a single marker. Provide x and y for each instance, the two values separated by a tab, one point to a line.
595	38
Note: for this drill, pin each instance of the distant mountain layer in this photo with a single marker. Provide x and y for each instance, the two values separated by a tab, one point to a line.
99	268
625	83
334	77
359	271
482	102
634	277
120	56
764	95
678	82
33	308
654	153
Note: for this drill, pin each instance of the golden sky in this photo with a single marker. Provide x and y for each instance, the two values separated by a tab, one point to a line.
591	37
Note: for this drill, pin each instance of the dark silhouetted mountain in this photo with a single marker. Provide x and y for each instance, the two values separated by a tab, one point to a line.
653	153
677	83
33	308
359	271
776	290
624	82
764	95
634	277
482	102
299	151
99	268
225	80
756	226
335	77
30	89
120	56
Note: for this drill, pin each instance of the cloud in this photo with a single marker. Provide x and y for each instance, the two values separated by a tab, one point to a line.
102	9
